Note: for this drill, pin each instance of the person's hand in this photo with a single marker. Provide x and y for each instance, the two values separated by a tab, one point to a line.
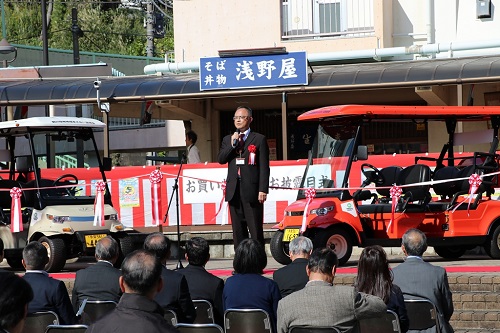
234	137
262	197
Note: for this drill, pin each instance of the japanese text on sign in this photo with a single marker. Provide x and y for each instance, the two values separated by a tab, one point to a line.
253	71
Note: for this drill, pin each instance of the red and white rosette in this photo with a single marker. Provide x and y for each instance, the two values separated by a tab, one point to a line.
474	183
251	159
100	187
16	218
310	194
155	178
395	193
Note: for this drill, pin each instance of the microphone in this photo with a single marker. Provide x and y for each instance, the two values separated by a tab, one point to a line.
235	141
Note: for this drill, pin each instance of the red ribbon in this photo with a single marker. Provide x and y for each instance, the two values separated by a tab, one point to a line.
16	220
310	195
155	178
223	188
395	193
252	149
100	187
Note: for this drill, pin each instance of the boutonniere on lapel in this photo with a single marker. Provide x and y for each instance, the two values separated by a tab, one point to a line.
252	149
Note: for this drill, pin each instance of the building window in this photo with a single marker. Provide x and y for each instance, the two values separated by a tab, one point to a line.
312	19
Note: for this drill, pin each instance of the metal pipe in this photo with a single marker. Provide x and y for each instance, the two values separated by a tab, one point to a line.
349	55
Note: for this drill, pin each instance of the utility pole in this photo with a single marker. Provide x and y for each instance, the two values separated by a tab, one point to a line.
77	33
149	29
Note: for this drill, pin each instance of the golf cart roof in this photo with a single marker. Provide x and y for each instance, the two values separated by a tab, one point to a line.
461	113
21	126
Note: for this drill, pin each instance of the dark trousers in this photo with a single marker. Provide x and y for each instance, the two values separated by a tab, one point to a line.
246	217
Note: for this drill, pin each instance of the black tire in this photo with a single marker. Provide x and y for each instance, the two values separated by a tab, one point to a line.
449	252
56	250
339	237
492	246
127	246
16	263
279	250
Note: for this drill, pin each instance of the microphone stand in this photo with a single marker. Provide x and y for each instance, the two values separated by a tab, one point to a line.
176	192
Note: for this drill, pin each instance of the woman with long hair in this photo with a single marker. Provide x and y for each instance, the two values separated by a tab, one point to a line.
375	278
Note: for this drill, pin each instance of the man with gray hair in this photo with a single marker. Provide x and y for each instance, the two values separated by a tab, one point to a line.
137	311
293	277
419	279
99	282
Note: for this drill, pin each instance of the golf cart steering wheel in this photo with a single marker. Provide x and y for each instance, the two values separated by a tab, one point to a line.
372	173
71	179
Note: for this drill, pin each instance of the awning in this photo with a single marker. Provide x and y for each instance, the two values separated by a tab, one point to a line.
182	86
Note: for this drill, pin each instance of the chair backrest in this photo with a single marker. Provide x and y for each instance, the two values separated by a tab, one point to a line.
247	321
66	328
37	322
412	174
199	328
450	187
387	323
204	312
94	310
170	316
390	175
313	329
422	314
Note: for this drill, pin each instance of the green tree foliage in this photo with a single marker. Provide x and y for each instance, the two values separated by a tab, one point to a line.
106	27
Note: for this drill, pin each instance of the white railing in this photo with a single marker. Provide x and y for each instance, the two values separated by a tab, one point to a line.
64	161
313	19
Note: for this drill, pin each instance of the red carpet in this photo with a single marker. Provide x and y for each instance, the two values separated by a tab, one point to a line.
348	270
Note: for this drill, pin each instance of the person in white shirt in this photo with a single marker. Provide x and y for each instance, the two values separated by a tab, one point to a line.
193	153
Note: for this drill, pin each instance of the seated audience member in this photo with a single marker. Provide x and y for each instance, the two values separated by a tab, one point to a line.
15	294
49	294
419	279
99	282
137	311
293	276
175	293
202	284
321	303
375	278
247	288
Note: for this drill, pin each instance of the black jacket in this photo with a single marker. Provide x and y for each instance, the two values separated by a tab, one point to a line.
134	313
206	286
175	296
292	277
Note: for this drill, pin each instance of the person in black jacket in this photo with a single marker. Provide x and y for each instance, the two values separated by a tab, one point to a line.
175	292
99	282
202	284
137	311
49	294
294	277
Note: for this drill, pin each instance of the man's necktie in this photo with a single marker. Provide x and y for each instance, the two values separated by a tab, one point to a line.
241	143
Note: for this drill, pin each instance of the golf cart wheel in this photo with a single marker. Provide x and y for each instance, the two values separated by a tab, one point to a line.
279	250
56	250
338	237
449	252
492	246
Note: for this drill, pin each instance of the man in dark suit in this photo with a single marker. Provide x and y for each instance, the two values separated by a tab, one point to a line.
293	276
247	182
175	292
49	294
320	303
419	279
202	284
137	311
99	282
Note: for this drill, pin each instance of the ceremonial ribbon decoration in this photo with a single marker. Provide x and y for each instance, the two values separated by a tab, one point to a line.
155	179
100	187
16	219
395	193
251	159
310	194
474	183
222	204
